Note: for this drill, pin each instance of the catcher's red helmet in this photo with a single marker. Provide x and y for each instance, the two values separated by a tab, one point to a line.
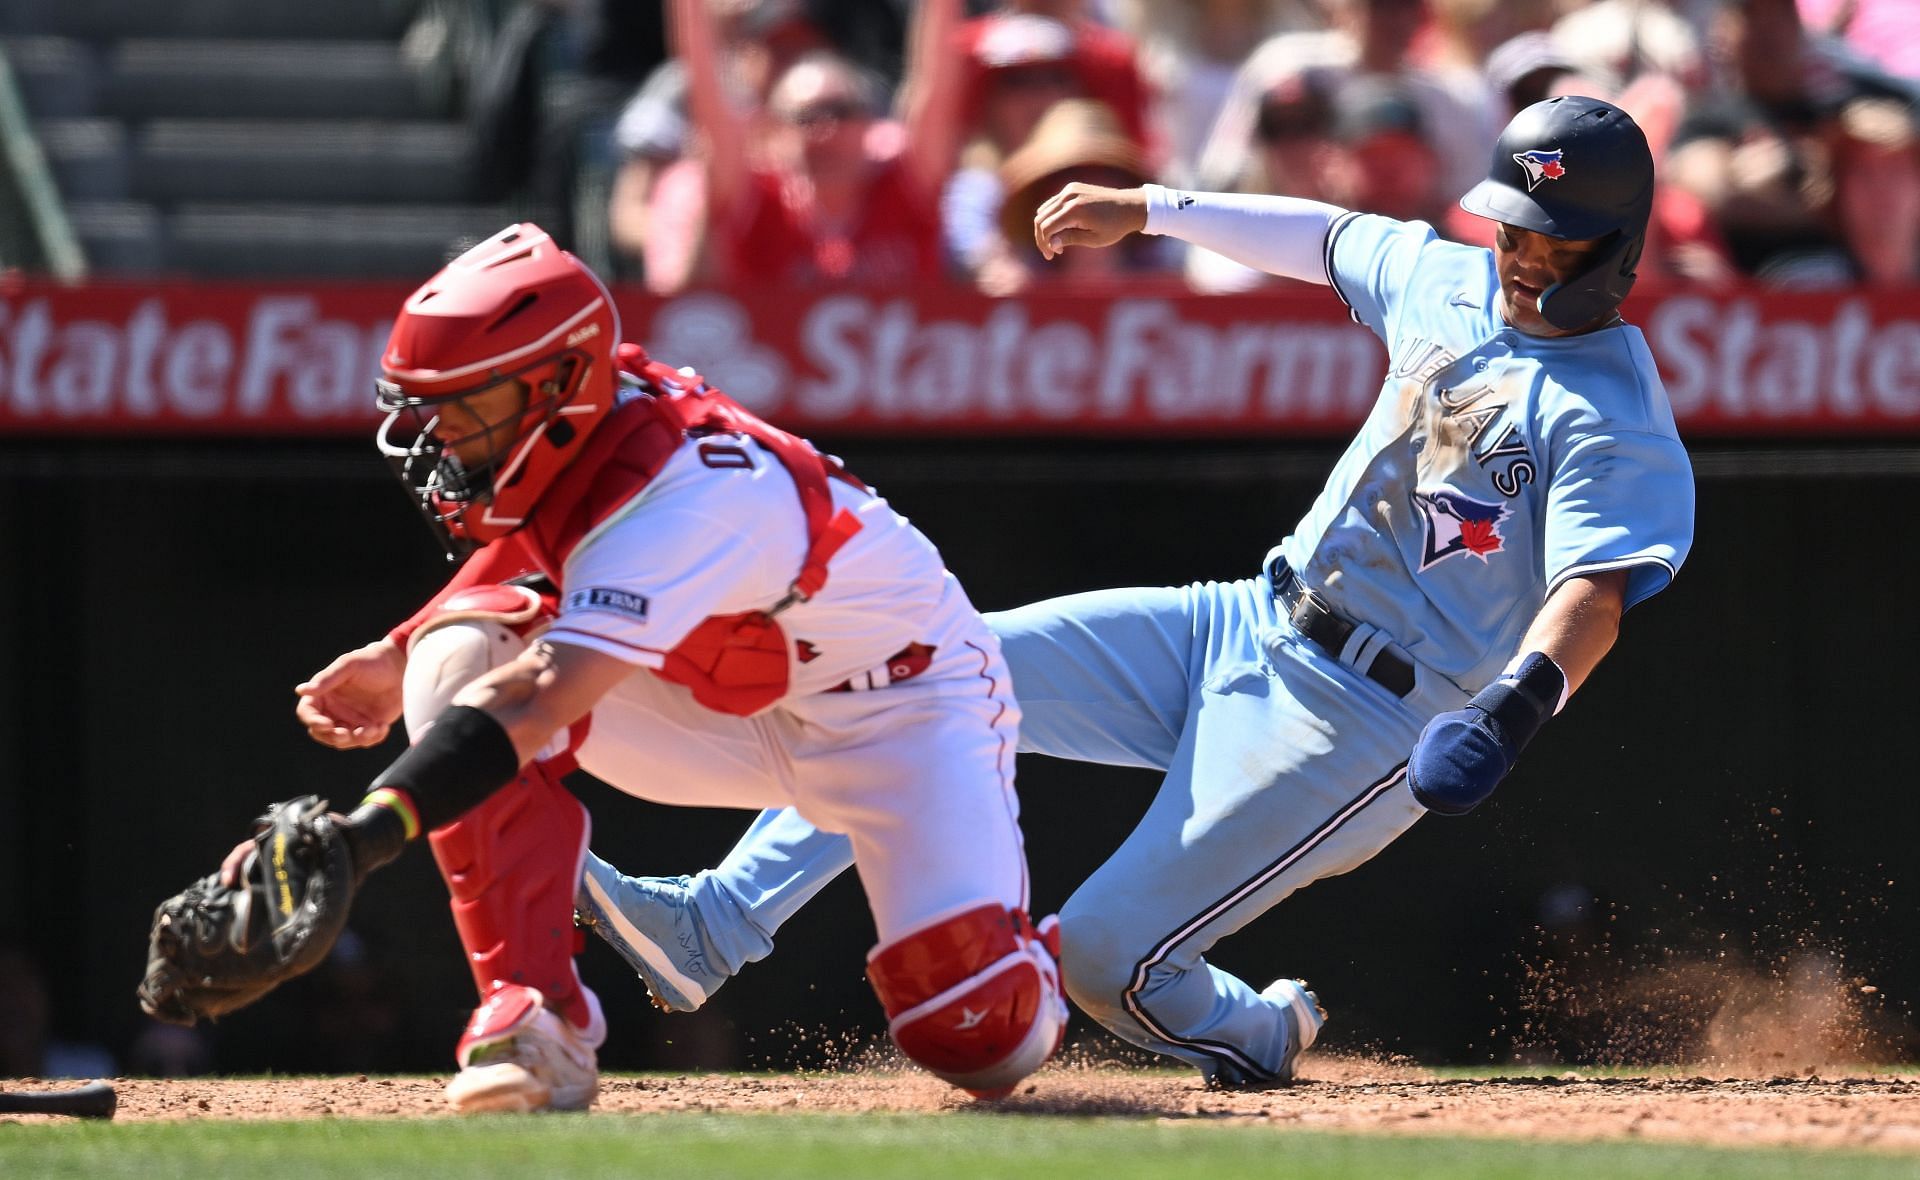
515	308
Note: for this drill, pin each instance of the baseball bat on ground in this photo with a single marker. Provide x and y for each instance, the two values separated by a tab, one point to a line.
95	1100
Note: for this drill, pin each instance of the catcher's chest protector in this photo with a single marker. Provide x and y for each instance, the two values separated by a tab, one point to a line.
739	663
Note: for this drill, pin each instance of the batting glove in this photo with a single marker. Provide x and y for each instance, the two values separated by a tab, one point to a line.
1462	755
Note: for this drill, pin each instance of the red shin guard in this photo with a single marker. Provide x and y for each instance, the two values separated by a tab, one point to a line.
974	996
512	865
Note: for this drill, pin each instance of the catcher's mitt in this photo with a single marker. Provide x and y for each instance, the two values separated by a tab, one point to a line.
214	948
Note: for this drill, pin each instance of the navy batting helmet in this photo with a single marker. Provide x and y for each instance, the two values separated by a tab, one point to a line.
1576	168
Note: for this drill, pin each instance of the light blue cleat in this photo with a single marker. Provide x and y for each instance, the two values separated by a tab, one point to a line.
1304	1015
1302	1018
653	924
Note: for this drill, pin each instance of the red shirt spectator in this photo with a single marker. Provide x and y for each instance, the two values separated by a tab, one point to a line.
829	192
1101	60
892	236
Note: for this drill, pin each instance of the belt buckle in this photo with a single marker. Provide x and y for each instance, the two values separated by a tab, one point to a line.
1289	589
1318	621
1328	630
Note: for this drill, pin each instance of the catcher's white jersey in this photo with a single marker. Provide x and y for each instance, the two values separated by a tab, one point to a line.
720	531
899	724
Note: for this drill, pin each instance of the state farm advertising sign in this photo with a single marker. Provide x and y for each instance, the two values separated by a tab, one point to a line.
226	359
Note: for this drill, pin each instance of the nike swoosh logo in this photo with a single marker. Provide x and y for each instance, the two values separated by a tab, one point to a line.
969	1018
1460	300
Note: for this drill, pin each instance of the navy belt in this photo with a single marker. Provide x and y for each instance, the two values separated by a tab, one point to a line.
1329	630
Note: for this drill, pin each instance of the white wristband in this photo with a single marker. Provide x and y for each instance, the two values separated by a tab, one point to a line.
1512	672
1162	204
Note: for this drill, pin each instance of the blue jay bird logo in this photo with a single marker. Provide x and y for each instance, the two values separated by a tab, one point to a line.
1540	166
1458	523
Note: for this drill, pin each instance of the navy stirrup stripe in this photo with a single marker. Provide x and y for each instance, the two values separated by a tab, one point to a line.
1229	1053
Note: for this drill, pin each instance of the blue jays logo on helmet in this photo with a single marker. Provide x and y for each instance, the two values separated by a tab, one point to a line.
1540	166
1458	523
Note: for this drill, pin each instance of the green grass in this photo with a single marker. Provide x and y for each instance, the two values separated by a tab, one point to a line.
922	1147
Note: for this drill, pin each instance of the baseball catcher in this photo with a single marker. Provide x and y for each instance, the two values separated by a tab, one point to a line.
694	606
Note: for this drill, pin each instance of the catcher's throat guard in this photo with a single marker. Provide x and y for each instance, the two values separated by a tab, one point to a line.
216	948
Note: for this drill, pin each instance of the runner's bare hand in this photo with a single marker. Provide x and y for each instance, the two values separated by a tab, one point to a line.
1088	215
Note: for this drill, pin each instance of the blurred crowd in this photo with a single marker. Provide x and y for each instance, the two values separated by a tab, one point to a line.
885	141
350	1014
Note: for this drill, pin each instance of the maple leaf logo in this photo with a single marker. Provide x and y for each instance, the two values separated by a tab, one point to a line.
1480	537
1541	166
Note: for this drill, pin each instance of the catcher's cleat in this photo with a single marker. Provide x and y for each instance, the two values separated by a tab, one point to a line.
652	923
519	1055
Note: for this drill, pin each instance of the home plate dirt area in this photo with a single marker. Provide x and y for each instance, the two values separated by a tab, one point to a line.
1869	1111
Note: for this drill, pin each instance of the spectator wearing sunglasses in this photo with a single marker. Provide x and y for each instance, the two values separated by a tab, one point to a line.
831	191
756	42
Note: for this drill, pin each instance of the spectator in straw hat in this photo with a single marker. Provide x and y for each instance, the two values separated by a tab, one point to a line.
1014	64
1018	66
1079	139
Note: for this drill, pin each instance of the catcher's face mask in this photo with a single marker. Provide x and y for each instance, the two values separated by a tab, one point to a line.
453	450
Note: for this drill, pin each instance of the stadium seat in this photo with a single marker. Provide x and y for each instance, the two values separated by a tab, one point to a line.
57	76
162	79
89	157
124	238
328	241
246	139
104	20
366	161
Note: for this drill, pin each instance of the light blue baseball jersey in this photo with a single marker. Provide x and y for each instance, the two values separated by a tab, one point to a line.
1495	464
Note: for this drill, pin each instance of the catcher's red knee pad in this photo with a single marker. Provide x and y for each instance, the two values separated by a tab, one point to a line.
974	996
513	865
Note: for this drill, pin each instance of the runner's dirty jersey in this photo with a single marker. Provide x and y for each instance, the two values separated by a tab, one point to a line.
1495	464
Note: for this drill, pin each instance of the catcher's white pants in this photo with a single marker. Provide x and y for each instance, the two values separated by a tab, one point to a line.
919	773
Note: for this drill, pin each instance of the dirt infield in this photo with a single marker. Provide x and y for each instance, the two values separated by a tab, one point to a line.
1867	1112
